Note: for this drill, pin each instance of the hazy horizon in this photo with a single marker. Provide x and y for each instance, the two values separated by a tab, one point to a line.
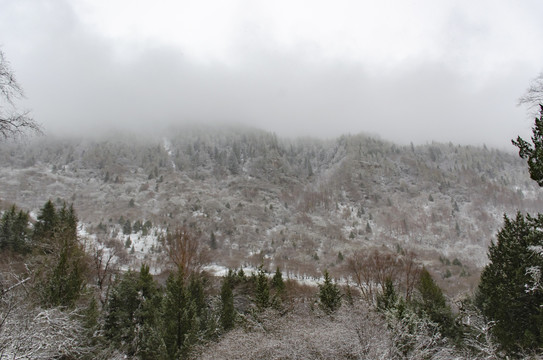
418	73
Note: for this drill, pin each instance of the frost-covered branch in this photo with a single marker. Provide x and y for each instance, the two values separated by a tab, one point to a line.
33	333
534	271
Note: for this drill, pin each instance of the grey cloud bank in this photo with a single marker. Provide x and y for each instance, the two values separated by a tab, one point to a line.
78	81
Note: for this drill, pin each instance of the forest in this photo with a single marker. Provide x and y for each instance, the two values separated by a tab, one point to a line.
233	243
64	296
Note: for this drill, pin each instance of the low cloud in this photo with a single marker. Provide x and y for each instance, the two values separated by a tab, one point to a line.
77	81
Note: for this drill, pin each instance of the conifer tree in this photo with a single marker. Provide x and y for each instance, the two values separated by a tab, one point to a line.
503	295
65	267
432	303
262	289
277	282
149	297
388	298
213	241
228	312
176	321
14	231
120	311
329	294
46	224
132	314
198	312
533	153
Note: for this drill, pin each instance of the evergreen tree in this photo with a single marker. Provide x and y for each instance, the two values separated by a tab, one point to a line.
432	303
228	312
262	289
91	315
67	221
277	282
176	321
198	307
149	297
132	315
502	293
120	311
329	294
213	241
127	228
233	164
150	344
21	232
533	153
388	298
66	281
137	226
6	229
65	267
45	224
14	231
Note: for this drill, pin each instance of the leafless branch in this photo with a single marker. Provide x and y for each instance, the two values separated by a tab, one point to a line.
12	122
533	96
14	286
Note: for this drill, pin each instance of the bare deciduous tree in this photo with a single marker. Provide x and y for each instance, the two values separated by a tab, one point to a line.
105	266
13	123
533	96
371	270
185	251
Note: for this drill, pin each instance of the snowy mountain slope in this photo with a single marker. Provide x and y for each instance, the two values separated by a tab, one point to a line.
301	204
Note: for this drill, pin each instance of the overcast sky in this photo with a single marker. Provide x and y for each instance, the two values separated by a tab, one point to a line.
405	70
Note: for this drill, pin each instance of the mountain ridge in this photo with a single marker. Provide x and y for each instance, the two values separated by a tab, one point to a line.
303	204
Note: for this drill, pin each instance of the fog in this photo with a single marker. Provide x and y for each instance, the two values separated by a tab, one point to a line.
463	87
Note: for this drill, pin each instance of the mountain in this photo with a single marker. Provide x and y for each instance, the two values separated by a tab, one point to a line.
251	197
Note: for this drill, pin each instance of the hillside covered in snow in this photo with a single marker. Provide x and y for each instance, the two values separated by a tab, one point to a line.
251	198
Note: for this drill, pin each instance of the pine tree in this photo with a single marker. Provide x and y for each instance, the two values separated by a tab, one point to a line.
176	321
149	297
533	153
228	312
505	293
213	241
262	289
502	293
233	164
432	303
277	282
329	294
14	231
150	344
120	311
65	269
127	228
388	298
21	233
198	307
132	314
46	224
91	315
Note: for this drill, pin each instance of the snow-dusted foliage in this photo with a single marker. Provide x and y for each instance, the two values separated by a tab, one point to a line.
353	332
300	204
29	332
